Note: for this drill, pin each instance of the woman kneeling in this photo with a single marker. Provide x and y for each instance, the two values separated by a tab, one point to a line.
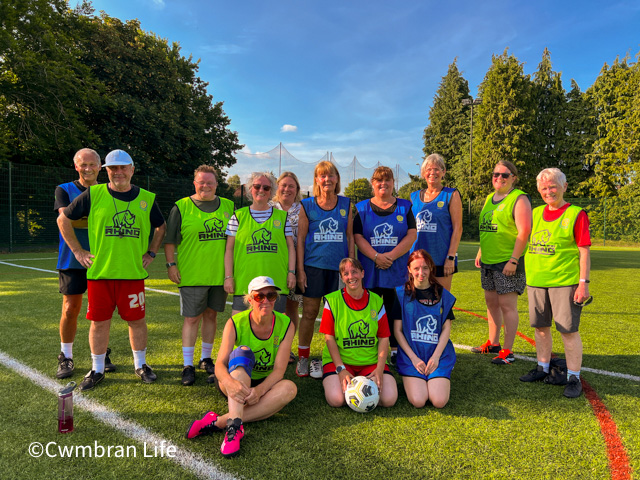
356	331
422	326
250	367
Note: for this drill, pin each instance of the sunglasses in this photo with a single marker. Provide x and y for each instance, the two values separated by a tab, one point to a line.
257	187
503	175
585	303
271	296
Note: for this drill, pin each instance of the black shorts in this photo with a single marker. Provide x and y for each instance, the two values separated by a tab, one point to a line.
72	281
440	270
320	282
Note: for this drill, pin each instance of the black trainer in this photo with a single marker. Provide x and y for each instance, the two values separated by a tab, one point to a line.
188	375
207	365
108	366
146	374
211	378
573	388
90	380
535	375
486	347
65	366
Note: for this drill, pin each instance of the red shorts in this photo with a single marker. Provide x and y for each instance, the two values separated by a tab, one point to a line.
354	370
105	295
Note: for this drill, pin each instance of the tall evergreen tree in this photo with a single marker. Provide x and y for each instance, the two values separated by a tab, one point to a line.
503	124
580	135
448	130
548	135
615	158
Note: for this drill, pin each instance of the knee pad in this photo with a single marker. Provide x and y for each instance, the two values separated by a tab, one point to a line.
242	357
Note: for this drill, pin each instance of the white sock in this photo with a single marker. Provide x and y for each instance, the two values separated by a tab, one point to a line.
187	355
97	362
67	349
545	366
139	358
573	372
206	350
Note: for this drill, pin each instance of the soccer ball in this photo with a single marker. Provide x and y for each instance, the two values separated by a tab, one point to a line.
362	394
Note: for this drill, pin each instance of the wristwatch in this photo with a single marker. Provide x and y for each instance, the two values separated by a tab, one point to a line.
151	254
451	257
340	368
171	264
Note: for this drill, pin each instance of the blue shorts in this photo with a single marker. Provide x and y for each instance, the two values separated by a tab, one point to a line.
405	367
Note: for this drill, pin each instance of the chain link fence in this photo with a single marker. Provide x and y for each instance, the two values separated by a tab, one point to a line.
27	197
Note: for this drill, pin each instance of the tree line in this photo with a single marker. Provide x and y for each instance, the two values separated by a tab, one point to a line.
70	79
593	136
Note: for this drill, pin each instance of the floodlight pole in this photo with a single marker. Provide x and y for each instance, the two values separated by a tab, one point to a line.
471	102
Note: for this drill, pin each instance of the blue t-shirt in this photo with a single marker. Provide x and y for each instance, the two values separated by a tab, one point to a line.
384	233
66	258
422	326
326	243
433	223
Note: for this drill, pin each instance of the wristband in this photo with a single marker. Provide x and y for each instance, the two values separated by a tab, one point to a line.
513	263
171	264
585	280
151	254
516	259
292	271
228	276
451	257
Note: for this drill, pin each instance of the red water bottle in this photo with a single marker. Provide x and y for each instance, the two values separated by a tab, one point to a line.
65	408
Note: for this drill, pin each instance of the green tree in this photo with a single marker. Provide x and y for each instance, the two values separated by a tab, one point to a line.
580	136
548	136
448	129
503	126
615	156
359	189
416	183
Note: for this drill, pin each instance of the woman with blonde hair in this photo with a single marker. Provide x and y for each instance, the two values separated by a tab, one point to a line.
325	237
259	242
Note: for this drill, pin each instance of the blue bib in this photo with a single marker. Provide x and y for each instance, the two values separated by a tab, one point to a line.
433	223
384	233
66	258
326	242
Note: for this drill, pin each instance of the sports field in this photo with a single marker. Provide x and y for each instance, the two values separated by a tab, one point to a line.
493	427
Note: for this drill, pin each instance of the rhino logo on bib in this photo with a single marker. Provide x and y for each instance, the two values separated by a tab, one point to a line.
382	236
540	243
213	230
123	225
261	239
423	222
328	232
263	360
425	330
358	335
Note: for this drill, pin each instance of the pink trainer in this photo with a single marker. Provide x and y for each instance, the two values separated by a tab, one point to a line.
231	444
204	426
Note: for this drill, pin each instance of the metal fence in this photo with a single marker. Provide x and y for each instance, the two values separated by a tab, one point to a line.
27	197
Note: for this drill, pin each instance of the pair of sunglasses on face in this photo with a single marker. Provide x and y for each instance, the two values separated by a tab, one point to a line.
271	296
257	187
503	175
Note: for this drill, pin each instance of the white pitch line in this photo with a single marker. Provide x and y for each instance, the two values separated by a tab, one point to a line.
31	259
186	459
462	347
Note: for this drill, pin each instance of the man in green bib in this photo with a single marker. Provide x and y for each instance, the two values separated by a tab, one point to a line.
194	249
120	219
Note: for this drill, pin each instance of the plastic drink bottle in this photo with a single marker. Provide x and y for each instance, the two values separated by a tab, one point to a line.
65	408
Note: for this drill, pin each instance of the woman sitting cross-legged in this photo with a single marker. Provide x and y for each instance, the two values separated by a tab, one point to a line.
356	331
250	366
422	326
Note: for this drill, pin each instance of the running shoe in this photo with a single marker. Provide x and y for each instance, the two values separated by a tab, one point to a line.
505	357
231	443
534	375
486	347
302	368
207	365
205	426
90	380
65	366
315	371
573	388
108	366
188	375
146	374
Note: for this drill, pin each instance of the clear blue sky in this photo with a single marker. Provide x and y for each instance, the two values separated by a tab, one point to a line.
357	78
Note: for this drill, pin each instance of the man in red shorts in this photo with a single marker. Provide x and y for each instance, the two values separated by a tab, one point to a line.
120	219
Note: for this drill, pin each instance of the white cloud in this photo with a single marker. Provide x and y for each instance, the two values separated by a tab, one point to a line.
158	3
289	128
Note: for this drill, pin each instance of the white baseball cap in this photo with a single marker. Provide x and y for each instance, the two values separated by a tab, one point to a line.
117	157
261	282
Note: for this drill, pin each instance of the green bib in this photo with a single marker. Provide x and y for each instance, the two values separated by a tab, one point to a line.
201	252
260	249
355	331
552	258
264	350
498	230
118	234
